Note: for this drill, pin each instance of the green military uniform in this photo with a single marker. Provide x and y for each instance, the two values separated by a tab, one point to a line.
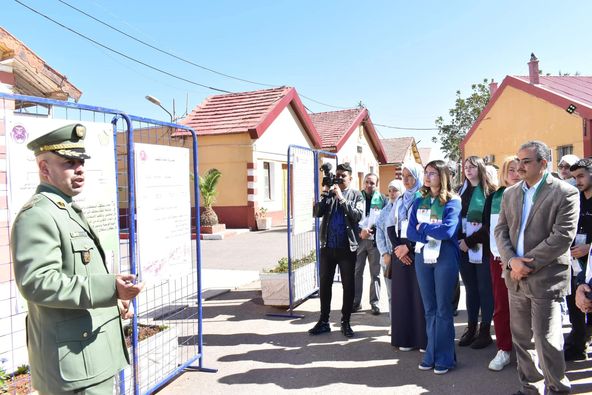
74	333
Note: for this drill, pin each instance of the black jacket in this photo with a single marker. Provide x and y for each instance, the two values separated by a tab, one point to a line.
353	206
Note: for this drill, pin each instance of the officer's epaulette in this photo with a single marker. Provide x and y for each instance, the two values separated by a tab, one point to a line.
32	202
55	199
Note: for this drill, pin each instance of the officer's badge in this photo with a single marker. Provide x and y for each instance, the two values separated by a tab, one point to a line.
80	131
61	204
86	257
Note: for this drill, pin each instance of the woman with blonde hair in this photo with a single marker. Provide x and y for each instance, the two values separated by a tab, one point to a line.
501	314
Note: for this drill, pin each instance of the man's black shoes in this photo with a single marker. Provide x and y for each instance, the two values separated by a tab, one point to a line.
375	310
320	327
346	329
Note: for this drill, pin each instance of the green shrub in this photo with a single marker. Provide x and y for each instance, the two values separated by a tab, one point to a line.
282	264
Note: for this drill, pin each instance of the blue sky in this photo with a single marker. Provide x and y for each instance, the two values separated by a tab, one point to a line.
403	60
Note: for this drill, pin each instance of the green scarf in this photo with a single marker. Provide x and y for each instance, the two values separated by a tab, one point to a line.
496	203
376	201
475	212
436	208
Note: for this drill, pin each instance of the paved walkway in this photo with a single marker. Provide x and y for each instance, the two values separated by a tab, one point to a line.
258	354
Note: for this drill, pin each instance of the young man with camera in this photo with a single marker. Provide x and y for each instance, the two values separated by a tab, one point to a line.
341	209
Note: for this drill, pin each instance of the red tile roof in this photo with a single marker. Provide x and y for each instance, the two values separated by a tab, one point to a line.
396	148
575	88
335	128
247	112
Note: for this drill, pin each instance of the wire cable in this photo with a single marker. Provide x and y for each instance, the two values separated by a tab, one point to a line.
178	58
163	51
121	53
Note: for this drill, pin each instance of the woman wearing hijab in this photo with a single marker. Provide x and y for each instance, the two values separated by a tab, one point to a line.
395	188
408	328
563	168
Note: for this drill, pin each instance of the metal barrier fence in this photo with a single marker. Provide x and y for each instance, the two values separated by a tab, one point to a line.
303	227
165	335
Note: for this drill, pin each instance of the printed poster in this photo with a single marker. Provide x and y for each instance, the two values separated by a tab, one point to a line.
99	197
163	207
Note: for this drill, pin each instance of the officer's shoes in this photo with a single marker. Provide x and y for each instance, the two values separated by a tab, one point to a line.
320	327
346	329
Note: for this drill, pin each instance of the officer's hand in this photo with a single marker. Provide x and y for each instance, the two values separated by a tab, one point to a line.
580	250
126	289
582	301
126	309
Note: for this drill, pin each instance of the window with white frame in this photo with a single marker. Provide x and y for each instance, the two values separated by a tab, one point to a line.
564	150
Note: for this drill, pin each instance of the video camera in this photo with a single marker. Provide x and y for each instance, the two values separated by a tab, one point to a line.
329	178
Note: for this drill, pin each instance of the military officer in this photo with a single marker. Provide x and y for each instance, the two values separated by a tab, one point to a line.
74	331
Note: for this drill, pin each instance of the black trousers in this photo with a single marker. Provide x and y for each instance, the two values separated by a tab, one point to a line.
579	329
329	260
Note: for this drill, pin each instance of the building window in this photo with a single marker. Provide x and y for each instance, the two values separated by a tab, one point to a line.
267	180
564	150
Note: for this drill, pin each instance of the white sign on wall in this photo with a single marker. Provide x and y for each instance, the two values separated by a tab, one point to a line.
163	206
302	191
99	197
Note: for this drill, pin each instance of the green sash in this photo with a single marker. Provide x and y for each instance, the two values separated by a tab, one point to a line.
475	212
496	204
376	201
436	208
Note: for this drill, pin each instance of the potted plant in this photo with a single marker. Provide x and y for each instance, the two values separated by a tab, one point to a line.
274	282
263	221
208	220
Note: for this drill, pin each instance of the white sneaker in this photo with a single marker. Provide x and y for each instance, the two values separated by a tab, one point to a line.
501	359
405	348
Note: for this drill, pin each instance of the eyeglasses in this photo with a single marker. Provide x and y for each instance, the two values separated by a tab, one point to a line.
566	167
431	174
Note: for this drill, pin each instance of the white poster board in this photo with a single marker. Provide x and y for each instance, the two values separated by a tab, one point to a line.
163	207
99	197
302	191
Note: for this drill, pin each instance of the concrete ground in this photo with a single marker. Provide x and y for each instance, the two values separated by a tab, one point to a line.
258	354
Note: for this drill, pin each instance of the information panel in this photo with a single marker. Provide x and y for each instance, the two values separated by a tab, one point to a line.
99	197
163	206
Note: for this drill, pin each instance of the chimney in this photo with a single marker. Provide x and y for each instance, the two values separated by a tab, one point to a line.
492	87
533	69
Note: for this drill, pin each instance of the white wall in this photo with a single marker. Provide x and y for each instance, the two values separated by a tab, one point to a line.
360	162
272	147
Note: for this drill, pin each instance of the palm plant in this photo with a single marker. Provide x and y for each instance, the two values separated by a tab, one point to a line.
207	189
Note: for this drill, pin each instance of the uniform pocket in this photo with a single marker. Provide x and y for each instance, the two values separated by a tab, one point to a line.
83	354
82	247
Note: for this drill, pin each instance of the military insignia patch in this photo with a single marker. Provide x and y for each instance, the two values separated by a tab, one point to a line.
61	204
86	257
80	131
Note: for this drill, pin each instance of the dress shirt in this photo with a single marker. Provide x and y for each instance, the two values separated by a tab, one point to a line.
527	202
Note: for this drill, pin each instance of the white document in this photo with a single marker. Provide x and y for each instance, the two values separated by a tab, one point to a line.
494	218
575	263
431	250
475	253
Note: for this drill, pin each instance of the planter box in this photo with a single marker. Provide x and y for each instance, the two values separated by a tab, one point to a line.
264	223
274	286
212	229
157	358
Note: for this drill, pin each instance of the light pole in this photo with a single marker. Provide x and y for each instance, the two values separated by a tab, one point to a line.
154	100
